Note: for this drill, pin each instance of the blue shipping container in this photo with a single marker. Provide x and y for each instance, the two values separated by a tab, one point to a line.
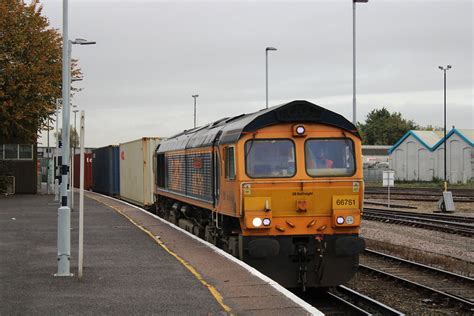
106	170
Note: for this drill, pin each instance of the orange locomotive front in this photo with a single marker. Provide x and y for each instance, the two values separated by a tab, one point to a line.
281	189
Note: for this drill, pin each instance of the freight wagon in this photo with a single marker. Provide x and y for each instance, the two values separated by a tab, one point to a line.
105	170
136	171
87	171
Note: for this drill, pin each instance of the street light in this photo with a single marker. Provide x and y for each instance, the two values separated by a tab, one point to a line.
444	141
73	155
64	210
266	72
354	116
195	96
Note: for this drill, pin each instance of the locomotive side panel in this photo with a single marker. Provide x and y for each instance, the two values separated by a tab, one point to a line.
188	174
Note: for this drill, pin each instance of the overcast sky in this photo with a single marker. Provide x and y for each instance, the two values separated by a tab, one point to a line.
151	56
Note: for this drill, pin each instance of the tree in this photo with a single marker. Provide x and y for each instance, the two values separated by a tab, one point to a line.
384	128
30	70
430	127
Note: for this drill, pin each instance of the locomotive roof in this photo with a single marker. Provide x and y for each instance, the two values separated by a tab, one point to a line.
229	130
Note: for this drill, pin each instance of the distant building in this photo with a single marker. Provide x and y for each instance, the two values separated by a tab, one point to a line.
18	162
375	154
375	161
460	156
419	156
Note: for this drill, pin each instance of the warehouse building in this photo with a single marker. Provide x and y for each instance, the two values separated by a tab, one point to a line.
460	156
419	156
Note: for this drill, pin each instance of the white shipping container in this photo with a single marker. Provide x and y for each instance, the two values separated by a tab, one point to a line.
136	170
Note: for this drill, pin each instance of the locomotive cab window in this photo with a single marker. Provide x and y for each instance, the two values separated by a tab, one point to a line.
229	163
270	158
329	157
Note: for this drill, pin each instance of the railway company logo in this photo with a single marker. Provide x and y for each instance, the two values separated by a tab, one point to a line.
302	193
197	163
247	189
355	186
122	155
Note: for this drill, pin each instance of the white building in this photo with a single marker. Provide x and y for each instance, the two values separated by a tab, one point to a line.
460	156
419	156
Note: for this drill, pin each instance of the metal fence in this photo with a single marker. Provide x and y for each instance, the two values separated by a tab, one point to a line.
373	174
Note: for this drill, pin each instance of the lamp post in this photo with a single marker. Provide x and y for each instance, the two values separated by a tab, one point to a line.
72	159
266	73
354	113
195	97
56	154
64	210
444	141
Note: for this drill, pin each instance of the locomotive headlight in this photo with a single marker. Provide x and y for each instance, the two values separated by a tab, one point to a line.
257	222
300	130
266	222
350	219
340	220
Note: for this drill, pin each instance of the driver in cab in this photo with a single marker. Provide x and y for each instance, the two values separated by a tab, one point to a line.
322	161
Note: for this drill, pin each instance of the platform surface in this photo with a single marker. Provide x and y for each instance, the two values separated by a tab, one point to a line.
133	264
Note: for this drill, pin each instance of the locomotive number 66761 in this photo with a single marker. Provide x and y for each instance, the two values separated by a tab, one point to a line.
280	188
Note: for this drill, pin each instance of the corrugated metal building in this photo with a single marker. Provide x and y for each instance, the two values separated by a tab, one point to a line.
460	156
419	156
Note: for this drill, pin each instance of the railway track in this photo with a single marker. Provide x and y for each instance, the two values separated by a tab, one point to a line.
420	191
343	300
441	286
451	224
420	194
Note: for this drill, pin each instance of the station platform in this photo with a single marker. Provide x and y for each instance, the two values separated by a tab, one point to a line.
134	263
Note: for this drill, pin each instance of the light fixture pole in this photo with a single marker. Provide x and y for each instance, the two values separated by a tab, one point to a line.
56	154
72	159
195	97
354	113
444	141
266	73
64	211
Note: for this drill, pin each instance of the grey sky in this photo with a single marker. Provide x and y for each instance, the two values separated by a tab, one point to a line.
152	56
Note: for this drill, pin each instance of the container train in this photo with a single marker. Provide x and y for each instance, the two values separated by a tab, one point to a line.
281	189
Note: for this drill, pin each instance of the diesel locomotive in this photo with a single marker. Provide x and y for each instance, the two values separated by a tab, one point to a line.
281	189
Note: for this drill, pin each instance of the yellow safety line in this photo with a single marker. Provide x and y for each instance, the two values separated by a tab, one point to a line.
211	288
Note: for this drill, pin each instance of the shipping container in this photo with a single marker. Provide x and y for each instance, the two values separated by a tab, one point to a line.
136	170
87	171
106	170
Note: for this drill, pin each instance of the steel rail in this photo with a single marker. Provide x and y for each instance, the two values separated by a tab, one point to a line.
392	205
354	308
344	300
449	227
449	218
466	304
421	191
361	299
420	197
459	277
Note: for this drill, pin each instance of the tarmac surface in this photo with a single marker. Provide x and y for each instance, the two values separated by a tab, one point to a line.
133	264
